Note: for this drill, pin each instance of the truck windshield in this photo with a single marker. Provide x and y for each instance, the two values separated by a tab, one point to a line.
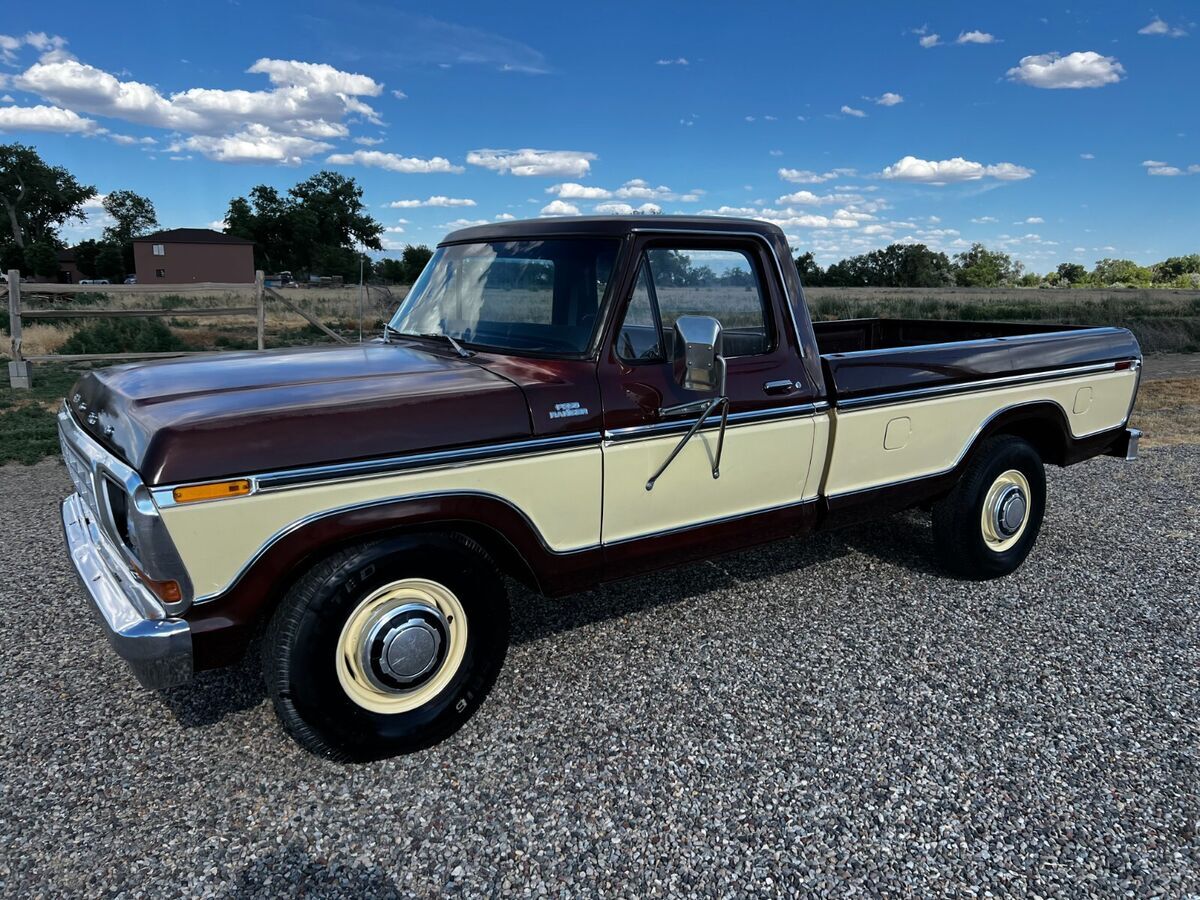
536	296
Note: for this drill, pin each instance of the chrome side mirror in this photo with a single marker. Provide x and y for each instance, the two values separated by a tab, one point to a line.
697	359
698	365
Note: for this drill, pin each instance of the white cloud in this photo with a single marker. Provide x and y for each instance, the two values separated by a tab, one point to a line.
1160	28
436	200
804	176
808	198
400	95
253	144
571	190
949	171
985	220
1087	155
1081	69
127	140
1031	220
930	40
368	141
393	162
775	152
887	98
317	77
216	225
624	209
505	217
563	163
1156	167
975	37
560	208
51	46
45	118
851	111
7	98
465	223
394	229
678	61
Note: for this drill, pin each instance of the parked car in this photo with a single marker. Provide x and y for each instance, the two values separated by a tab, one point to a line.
565	402
94	281
131	279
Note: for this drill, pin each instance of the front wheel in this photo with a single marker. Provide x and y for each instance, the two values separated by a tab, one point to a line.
387	647
986	525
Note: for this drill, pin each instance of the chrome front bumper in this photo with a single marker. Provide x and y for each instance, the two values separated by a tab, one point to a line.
157	647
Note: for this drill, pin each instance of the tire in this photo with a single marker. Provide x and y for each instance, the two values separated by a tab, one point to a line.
974	545
345	684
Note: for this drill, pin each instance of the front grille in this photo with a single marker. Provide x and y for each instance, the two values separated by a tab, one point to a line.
81	476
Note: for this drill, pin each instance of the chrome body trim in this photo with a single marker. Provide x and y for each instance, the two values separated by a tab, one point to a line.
748	417
1133	436
967	387
972	344
714	232
90	466
378	468
157	646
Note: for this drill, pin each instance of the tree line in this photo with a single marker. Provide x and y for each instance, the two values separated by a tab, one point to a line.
916	265
320	226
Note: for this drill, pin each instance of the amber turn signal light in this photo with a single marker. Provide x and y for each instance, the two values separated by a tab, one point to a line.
217	490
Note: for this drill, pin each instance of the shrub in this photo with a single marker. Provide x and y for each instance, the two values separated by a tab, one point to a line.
123	336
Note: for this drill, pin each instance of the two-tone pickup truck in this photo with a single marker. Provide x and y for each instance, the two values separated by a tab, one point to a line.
562	401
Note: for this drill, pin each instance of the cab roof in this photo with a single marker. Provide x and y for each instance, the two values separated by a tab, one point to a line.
603	226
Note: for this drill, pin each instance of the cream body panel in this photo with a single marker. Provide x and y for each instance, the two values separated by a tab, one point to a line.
558	492
942	428
762	465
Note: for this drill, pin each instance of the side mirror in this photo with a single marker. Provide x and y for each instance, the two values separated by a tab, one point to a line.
697	361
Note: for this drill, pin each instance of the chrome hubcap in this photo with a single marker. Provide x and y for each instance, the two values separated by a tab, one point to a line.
402	646
1005	510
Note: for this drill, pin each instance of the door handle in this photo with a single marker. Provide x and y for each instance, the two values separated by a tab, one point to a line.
784	386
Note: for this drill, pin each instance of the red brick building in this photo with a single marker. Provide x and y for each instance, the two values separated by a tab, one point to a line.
186	255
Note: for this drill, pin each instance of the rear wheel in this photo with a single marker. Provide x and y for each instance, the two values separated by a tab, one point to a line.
387	647
986	526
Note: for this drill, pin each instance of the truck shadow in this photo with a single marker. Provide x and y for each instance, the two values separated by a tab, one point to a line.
293	871
901	540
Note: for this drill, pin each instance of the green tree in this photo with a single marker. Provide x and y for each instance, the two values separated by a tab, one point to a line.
37	199
110	263
414	258
811	273
1174	267
1071	273
133	216
85	257
981	267
41	258
1120	271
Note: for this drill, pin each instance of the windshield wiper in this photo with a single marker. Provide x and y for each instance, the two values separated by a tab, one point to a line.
429	335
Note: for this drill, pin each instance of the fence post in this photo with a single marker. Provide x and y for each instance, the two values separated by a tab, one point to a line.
261	309
18	368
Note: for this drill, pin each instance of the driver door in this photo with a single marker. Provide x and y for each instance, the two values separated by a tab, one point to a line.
768	444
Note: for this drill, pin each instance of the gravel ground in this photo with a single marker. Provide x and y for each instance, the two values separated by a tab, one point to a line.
821	717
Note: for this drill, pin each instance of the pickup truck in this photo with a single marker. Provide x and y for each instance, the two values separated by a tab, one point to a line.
563	402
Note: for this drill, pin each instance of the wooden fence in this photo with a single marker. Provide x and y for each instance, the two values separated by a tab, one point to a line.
18	368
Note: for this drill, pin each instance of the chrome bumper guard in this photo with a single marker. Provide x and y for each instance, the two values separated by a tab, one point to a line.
157	647
1129	443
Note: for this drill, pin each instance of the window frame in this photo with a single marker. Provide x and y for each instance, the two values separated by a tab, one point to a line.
748	247
158	249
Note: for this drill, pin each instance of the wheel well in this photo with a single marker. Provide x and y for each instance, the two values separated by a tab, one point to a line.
1044	425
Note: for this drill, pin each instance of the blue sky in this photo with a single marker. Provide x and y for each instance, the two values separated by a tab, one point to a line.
1056	134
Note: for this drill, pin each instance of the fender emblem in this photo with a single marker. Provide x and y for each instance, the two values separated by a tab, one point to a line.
567	410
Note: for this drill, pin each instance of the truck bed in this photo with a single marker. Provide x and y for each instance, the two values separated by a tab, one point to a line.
875	359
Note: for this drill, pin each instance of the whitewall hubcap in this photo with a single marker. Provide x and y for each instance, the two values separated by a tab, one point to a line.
401	646
1005	511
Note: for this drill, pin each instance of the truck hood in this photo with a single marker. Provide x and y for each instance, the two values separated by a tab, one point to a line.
228	414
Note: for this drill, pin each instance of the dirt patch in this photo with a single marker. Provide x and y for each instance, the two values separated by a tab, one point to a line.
1168	411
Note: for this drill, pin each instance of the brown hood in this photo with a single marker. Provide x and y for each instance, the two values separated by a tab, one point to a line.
237	413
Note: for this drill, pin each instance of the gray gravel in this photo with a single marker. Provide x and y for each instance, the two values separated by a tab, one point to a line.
821	717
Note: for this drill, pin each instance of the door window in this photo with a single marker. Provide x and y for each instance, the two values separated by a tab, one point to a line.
672	282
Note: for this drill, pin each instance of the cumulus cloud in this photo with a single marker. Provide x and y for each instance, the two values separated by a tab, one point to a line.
985	220
50	46
1081	69
887	98
1087	155
634	189
851	111
975	37
625	209
930	40
253	144
950	171
368	141
808	198
677	61
45	118
393	162
805	176
571	190
1157	167
526	162
1159	28
436	200
560	208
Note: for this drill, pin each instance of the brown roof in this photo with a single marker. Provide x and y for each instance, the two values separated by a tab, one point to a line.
192	236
